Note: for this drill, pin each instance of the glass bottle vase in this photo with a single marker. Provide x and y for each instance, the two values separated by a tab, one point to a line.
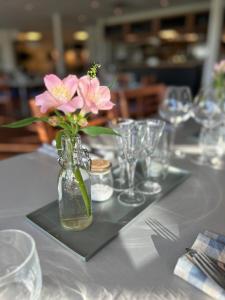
74	186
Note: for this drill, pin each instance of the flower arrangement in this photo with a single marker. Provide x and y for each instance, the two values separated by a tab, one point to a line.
71	100
219	80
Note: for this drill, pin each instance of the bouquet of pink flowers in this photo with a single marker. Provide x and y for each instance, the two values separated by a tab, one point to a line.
72	100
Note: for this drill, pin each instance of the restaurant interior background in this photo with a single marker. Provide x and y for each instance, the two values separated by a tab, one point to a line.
140	44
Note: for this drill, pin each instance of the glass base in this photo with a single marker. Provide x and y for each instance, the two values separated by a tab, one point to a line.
200	160
131	199
149	187
76	224
120	184
179	154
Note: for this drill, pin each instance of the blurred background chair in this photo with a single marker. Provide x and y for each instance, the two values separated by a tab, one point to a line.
141	102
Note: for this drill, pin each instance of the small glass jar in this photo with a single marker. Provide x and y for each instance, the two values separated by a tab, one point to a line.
101	180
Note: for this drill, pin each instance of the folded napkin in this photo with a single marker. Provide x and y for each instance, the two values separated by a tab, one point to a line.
213	245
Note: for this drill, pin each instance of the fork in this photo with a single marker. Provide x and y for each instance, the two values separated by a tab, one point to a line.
207	265
161	230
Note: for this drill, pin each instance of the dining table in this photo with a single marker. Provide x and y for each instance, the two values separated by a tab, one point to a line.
139	262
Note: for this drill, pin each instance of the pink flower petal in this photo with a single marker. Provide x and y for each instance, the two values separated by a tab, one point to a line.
106	106
78	102
51	81
94	83
46	101
83	86
71	83
104	94
72	105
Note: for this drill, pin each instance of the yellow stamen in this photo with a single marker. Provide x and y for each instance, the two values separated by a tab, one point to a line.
61	93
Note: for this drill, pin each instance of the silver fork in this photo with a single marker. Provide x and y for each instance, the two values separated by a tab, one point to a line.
207	265
160	229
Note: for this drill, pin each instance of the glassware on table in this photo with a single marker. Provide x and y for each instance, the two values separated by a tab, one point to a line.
132	139
207	112
101	180
160	159
120	180
154	130
175	109
75	205
20	271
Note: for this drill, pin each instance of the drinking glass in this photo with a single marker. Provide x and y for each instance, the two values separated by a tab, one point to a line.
154	129
120	181
175	109
207	112
132	138
161	159
20	272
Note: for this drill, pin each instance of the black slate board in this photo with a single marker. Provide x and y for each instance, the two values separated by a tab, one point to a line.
109	218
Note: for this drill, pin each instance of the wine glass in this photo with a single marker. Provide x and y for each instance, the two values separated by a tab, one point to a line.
207	112
20	272
120	181
154	130
175	109
132	138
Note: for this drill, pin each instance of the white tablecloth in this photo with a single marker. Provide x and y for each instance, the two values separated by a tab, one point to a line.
139	263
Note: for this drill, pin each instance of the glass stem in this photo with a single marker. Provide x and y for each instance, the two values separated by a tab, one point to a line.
172	137
122	168
203	143
130	172
148	161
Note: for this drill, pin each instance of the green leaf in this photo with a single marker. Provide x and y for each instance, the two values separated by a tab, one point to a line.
98	130
58	139
25	122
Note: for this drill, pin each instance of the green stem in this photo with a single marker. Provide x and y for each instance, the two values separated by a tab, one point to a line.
83	190
80	181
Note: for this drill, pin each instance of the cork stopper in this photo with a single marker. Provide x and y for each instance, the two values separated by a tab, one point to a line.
100	165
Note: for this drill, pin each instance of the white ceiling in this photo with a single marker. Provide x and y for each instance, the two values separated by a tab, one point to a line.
36	14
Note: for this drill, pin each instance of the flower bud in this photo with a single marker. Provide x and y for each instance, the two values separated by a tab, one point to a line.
53	121
83	122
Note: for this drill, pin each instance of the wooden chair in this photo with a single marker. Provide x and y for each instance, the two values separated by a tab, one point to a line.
141	102
6	100
45	132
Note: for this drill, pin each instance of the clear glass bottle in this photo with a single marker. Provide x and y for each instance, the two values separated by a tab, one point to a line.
74	186
101	180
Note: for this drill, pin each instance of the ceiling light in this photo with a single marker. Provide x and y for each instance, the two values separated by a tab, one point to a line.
118	11
191	37
168	34
81	35
28	7
164	3
94	3
31	36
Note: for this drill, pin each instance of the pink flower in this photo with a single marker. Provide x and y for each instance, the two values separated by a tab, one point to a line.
95	96
220	67
59	94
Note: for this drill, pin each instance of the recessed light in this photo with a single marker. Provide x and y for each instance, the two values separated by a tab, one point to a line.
30	36
81	35
28	6
95	3
118	11
164	3
191	37
168	34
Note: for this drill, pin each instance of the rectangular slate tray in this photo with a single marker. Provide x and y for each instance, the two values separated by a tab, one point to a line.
109	218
